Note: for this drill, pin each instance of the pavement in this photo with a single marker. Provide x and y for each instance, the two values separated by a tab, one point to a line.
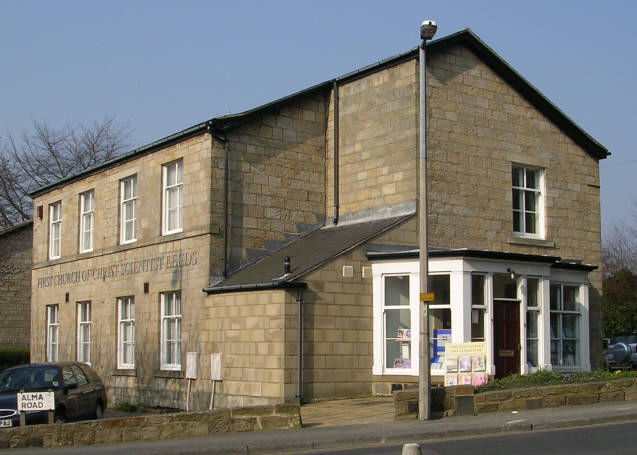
364	422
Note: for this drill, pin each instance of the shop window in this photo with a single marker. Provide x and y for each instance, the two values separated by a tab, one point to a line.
565	316
84	332
171	331
52	332
126	332
439	314
397	322
478	307
532	321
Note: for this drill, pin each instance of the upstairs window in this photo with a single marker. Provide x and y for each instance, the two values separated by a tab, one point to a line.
172	197
128	215
87	204
528	205
55	230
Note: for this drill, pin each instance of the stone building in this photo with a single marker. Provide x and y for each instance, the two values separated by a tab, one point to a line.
297	220
15	285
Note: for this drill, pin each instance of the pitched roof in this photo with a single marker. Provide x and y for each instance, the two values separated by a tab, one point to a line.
219	125
306	254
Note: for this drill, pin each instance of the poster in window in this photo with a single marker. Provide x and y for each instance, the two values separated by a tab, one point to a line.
464	379
402	363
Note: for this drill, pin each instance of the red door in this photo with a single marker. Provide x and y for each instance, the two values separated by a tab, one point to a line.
506	329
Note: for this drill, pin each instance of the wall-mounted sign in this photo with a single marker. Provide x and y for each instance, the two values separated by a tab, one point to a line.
178	259
36	401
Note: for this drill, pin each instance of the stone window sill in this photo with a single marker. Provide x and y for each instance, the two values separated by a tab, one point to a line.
121	372
531	242
177	374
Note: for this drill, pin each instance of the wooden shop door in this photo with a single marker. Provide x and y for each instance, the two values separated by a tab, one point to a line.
506	329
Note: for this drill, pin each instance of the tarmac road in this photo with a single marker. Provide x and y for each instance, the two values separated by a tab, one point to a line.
608	439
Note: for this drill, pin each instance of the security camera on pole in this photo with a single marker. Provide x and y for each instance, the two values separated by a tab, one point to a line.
427	31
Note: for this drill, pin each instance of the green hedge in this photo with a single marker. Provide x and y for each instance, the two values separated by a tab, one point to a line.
13	357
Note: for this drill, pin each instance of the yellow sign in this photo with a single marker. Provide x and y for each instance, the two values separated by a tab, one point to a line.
427	297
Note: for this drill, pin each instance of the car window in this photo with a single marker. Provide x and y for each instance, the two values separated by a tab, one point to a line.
30	378
624	339
69	377
14	380
79	375
90	374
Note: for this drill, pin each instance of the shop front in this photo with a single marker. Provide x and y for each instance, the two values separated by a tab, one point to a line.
531	312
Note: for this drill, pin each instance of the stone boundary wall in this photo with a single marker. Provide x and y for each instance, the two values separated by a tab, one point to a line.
152	427
462	400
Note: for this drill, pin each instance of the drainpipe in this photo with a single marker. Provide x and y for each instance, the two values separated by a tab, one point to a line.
223	140
225	208
336	175
299	393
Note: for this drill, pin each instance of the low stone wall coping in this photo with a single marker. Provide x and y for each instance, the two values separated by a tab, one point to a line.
152	427
460	400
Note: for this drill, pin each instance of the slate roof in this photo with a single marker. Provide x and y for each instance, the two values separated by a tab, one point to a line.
306	254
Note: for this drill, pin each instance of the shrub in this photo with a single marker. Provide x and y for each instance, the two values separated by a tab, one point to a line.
545	377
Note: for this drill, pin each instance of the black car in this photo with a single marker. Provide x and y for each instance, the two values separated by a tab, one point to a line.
79	392
621	352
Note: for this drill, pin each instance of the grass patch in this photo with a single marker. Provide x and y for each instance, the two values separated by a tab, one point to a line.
125	406
545	377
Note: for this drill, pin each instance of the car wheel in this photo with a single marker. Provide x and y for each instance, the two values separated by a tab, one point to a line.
99	410
60	417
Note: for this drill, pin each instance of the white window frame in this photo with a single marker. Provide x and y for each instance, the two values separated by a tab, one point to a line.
481	309
52	332
539	203
172	191
87	220
126	333
558	335
55	230
128	209
536	312
170	349
84	332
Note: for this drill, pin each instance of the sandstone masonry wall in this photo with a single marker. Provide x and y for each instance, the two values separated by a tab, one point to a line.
15	286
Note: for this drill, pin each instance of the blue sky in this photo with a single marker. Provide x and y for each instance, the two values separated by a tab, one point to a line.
164	66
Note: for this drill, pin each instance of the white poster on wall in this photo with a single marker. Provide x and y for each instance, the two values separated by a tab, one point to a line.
191	365
215	366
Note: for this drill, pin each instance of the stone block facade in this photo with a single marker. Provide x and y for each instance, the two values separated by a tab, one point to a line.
15	286
257	182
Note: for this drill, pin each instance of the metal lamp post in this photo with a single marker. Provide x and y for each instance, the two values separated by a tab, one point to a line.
427	31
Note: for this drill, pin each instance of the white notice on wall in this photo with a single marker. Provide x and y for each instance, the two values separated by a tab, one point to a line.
191	365
215	366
